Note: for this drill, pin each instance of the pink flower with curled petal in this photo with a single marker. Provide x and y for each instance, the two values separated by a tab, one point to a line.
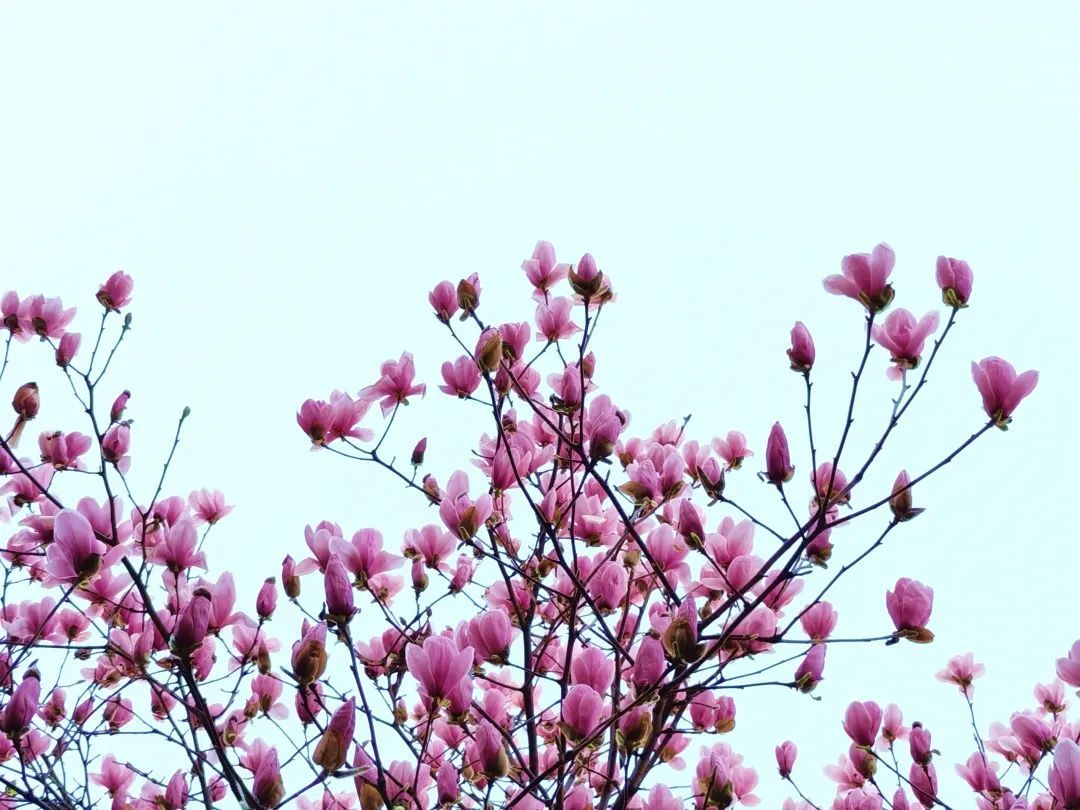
732	449
431	544
396	384
1068	668
904	338
14	316
47	316
1001	388
117	712
553	320
661	798
892	726
326	422
115	293
802	353
910	604
438	666
862	721
461	515
979	773
1065	775
178	551
865	278
76	556
208	506
115	777
63	450
444	300
962	671
462	377
542	271
954	278
363	555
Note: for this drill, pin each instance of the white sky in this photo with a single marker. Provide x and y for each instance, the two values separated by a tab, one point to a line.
286	185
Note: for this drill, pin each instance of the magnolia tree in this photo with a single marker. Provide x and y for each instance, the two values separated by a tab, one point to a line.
617	590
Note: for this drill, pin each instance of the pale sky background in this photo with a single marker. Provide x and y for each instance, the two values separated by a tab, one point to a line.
286	183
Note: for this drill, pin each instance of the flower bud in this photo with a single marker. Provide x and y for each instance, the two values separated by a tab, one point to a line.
266	601
586	279
468	295
68	348
290	581
118	406
340	603
802	351
954	278
27	401
786	753
777	457
418	452
900	502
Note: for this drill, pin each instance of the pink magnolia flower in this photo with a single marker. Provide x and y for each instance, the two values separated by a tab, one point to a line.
340	603
468	295
587	281
309	654
76	556
396	384
979	773
786	753
490	635
460	514
649	664
924	782
208	506
919	744
801	354
778	467
115	293
892	726
332	750
865	278
582	711
20	710
954	278
431	544
962	671
325	422
363	555
608	586
63	450
444	300
490	750
810	669
438	666
416	458
900	501
462	377
910	604
67	348
1068	668
732	449
553	320
193	622
1001	388
178	550
267	785
542	271
593	667
117	712
818	621
904	338
47	316
1065	775
114	446
13	313
829	484
115	777
862	721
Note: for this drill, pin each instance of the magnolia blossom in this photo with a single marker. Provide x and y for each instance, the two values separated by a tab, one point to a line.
954	278
865	278
904	338
909	605
1001	388
962	671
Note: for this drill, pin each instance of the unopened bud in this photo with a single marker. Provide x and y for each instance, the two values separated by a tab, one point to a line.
27	401
418	452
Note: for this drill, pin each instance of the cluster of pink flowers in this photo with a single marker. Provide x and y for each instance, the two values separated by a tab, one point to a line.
606	585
